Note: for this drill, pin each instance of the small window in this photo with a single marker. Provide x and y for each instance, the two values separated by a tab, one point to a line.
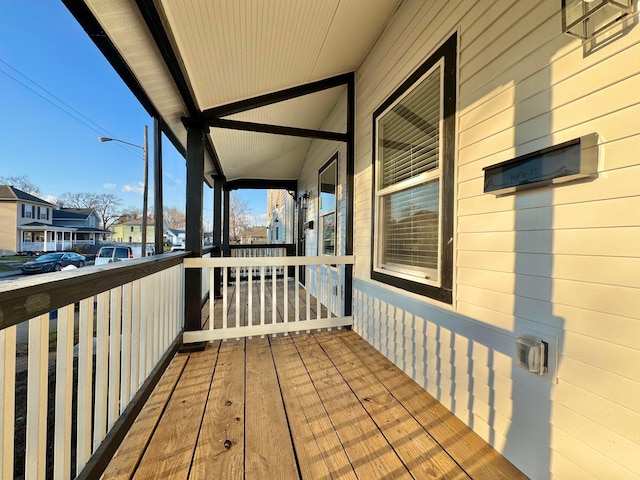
328	182
412	228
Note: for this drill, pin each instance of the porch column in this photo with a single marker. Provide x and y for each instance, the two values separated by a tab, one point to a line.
193	231
351	129
158	207
44	244
225	229
217	233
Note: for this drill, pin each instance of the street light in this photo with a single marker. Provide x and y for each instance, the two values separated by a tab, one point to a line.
145	155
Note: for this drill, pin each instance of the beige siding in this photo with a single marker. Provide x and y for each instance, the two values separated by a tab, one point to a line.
561	262
8	223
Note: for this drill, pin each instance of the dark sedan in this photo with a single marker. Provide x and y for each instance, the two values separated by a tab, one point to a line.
54	262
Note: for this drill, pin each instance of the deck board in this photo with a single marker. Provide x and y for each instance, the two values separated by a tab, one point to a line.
269	452
310	406
223	419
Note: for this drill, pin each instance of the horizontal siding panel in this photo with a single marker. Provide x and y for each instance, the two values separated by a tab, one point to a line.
600	382
618	212
604	411
612	358
617	134
606	442
590	459
565	469
616	300
592	241
621	271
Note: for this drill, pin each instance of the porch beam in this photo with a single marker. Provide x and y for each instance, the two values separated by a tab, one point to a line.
193	220
276	97
276	129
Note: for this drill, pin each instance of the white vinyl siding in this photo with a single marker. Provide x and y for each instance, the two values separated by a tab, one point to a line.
561	261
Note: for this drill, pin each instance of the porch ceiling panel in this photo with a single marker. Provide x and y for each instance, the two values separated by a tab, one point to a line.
231	50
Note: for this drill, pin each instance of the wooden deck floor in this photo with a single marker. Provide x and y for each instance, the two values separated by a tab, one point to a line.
310	406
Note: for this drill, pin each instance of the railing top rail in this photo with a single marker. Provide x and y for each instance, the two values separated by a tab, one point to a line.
238	246
266	261
26	298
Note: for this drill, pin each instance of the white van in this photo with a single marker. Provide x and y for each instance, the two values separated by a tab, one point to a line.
118	253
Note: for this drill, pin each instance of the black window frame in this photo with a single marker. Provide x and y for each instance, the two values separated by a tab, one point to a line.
447	53
320	229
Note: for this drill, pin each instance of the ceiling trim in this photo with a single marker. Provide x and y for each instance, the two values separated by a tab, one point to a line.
277	129
276	97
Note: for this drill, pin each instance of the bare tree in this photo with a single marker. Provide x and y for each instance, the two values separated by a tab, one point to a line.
238	217
174	218
22	182
106	205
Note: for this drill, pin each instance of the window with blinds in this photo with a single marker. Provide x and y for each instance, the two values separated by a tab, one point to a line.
408	193
413	192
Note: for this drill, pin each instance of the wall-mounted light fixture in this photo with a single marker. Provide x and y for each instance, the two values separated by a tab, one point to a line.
303	198
586	18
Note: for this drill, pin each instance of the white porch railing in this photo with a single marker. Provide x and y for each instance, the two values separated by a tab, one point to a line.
99	350
266	304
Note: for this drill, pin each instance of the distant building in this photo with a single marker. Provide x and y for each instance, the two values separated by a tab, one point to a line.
131	231
280	212
254	235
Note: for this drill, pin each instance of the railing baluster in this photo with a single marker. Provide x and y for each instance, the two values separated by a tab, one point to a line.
250	295
212	299
102	365
329	292
237	287
307	279
115	323
7	399
285	295
85	380
274	304
37	386
225	291
263	300
125	370
64	393
138	349
318	293
297	292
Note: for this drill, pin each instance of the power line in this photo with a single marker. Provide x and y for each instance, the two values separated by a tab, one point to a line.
74	113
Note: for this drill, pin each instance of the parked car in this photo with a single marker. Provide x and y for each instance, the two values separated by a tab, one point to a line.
54	262
118	253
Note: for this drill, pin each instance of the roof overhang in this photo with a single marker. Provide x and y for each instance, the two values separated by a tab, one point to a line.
263	74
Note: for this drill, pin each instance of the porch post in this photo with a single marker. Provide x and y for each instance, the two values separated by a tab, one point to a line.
158	207
225	229
351	128
193	240
217	233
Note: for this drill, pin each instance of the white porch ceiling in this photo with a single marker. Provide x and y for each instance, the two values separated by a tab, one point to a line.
232	50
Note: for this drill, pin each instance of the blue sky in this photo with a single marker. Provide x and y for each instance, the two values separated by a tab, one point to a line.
57	96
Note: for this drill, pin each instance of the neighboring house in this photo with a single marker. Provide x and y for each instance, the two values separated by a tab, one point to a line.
30	224
461	120
86	222
131	231
254	235
174	236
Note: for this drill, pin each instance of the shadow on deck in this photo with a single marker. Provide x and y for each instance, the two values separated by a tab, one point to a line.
310	406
